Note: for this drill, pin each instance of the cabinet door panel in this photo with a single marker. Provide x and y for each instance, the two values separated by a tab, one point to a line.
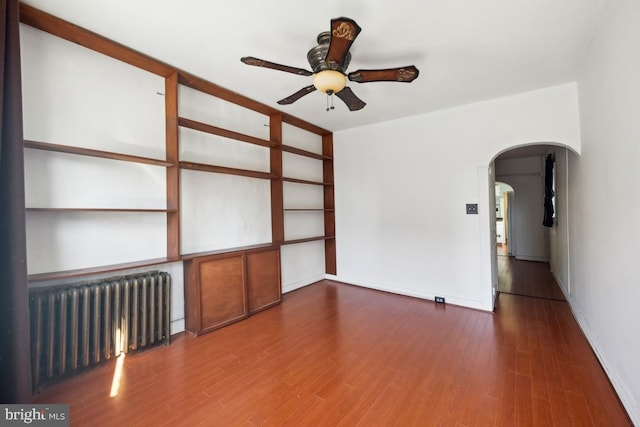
223	298
263	274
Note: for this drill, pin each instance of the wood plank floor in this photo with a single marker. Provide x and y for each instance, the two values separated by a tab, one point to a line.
527	278
339	355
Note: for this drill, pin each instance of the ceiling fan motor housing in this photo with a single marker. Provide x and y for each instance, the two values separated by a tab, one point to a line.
317	54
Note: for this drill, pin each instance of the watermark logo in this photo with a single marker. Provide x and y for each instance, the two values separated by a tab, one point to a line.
36	415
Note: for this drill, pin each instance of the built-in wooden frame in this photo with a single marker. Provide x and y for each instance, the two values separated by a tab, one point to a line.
175	77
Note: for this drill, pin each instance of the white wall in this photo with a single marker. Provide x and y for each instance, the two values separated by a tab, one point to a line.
604	200
526	176
124	114
402	186
65	101
220	211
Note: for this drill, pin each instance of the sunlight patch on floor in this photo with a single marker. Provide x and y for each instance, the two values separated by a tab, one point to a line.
117	373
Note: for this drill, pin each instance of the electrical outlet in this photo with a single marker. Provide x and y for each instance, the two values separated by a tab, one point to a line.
472	209
440	300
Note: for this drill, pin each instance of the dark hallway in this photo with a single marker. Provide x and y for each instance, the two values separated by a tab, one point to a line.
527	278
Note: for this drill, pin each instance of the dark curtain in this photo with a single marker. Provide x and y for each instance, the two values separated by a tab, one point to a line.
15	359
548	191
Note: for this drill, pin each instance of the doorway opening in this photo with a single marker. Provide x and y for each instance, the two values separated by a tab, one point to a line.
527	257
504	199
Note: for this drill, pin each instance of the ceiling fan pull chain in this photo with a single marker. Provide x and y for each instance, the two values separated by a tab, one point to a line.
329	97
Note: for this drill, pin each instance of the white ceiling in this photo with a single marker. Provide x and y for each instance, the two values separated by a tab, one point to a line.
466	50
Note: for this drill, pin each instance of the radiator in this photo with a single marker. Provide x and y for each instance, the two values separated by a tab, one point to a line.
78	326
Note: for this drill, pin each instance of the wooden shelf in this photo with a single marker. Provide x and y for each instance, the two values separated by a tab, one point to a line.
222	169
99	210
304	181
214	130
94	153
307	239
294	121
56	275
41	277
248	248
305	153
309	210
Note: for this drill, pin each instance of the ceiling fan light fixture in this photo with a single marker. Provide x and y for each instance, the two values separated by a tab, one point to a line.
329	81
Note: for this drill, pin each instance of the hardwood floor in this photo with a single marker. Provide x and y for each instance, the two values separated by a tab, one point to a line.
338	355
527	278
502	248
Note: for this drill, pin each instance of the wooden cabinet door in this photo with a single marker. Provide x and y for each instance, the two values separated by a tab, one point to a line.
221	289
263	279
223	295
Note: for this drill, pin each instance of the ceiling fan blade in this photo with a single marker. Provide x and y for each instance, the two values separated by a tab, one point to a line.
348	97
401	74
299	94
250	60
343	32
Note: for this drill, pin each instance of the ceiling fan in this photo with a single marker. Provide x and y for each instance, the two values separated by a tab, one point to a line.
329	61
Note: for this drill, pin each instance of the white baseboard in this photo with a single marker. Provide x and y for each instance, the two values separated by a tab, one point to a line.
463	302
301	283
625	395
532	258
177	326
563	286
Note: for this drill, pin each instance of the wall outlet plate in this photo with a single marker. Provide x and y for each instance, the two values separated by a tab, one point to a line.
439	300
472	209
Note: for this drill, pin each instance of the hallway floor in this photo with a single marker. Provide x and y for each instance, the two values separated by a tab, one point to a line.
527	278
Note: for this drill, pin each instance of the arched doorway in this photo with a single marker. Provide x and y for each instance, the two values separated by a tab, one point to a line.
523	169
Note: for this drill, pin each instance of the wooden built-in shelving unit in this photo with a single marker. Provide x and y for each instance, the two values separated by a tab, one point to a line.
175	77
